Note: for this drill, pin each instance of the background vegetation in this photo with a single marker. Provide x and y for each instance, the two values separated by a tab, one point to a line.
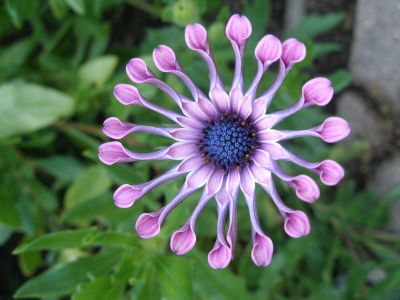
60	235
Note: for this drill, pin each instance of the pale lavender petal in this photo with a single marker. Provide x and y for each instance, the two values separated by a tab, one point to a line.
220	98
261	174
193	110
182	150
186	134
199	177
190	164
215	182
247	183
207	107
190	123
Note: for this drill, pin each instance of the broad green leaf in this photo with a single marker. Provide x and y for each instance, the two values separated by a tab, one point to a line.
90	184
29	262
78	238
76	5
5	233
97	289
61	167
26	107
340	80
104	288
62	279
9	213
98	70
175	277
314	25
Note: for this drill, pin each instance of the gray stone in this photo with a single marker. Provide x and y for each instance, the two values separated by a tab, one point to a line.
375	53
386	178
363	123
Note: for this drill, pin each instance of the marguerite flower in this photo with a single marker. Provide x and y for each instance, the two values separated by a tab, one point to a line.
224	142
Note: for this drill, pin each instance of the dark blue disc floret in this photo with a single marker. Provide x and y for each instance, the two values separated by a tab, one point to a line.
228	142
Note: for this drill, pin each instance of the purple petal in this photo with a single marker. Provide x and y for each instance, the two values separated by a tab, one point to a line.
148	225
293	52
297	224
183	240
220	256
306	188
196	37
126	195
262	251
238	29
138	71
268	50
127	94
334	129
164	58
330	172
317	91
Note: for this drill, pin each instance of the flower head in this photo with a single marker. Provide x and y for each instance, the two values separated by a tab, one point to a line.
224	142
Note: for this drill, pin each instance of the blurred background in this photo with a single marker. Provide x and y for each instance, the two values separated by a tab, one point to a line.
61	236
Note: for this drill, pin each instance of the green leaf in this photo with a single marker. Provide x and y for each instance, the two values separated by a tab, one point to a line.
314	25
63	279
340	80
61	167
98	70
5	233
90	184
76	5
26	107
96	289
58	240
29	262
78	238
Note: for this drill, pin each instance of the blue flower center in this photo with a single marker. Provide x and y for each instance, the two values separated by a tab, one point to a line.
228	142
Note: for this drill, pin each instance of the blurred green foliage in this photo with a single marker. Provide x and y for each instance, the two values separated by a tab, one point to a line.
59	61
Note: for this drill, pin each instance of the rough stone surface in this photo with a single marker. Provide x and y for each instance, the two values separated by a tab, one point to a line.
386	178
363	123
376	49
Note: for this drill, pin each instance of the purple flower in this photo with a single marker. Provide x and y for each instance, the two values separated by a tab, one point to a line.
225	142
